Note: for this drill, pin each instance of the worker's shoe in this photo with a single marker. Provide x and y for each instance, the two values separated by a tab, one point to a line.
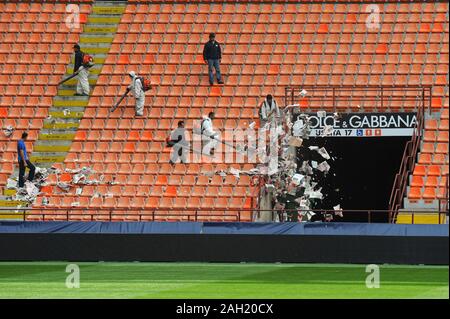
219	82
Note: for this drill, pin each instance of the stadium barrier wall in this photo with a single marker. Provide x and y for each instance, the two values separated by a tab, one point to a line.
233	247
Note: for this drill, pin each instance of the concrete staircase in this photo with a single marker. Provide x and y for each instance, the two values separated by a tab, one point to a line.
56	136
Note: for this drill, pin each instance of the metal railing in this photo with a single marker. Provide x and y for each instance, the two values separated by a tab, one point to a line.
357	97
181	214
408	161
443	203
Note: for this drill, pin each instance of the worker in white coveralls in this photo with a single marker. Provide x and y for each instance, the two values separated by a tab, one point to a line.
269	111
83	72
209	137
137	88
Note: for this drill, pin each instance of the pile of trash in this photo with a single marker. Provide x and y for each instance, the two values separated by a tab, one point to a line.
31	190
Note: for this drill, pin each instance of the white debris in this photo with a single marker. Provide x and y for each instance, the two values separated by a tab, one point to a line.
235	172
321	113
303	93
313	148
338	210
75	204
297	179
44	201
78	178
8	131
32	190
314	164
323	167
252	125
11	184
328	130
78	191
64	186
322	151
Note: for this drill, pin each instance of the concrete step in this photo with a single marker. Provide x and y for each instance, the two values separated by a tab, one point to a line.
11	203
62	126
108	10
95	48
71	115
104	19
71	98
91	38
99	29
51	148
59	136
420	218
73	82
63	101
47	160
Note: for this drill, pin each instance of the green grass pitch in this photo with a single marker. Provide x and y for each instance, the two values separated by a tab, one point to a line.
206	280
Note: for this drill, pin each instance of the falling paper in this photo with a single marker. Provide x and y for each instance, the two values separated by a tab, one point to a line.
297	179
303	93
321	113
327	130
8	131
252	125
79	191
313	148
322	151
314	164
338	210
323	167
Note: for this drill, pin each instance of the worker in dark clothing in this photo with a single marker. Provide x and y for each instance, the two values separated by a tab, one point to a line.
180	144
83	74
212	55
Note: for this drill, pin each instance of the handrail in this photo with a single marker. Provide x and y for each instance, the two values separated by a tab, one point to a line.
192	214
408	159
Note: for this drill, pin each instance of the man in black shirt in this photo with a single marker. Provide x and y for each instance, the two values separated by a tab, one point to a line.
212	55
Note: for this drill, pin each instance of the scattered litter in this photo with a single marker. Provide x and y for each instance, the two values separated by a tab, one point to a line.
235	172
78	191
303	93
252	125
297	179
321	113
338	210
323	167
322	151
327	130
8	131
11	184
64	186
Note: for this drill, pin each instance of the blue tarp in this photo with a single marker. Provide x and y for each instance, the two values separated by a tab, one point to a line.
361	229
